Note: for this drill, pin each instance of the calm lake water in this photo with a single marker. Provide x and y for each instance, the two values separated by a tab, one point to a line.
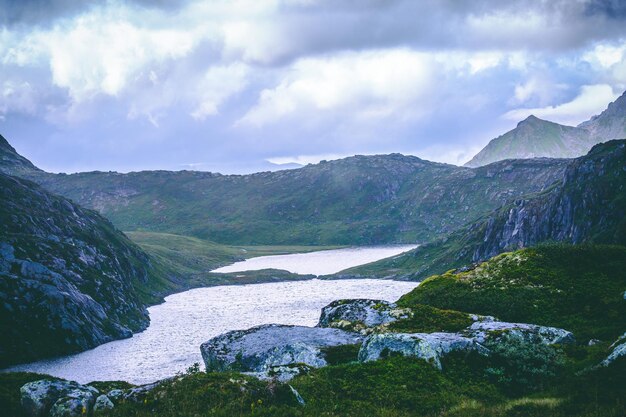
318	263
186	320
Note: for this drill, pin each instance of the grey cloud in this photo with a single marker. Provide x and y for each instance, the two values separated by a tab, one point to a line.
613	9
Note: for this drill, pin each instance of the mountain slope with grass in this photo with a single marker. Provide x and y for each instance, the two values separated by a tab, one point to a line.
587	205
353	201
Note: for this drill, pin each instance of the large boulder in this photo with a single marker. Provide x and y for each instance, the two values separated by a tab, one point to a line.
360	314
428	346
273	349
489	333
58	398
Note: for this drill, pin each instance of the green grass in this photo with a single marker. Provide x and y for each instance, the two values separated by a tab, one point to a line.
187	261
427	319
579	288
394	387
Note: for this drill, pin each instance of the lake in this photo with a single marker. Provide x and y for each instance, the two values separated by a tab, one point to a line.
185	320
318	263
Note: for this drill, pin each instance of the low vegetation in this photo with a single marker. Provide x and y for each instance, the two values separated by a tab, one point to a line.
579	288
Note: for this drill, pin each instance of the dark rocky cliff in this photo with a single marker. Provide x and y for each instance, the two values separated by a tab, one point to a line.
587	205
68	279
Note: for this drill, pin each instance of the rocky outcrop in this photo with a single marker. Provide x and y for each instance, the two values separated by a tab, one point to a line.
68	279
60	398
360	314
489	333
428	346
273	350
479	337
57	398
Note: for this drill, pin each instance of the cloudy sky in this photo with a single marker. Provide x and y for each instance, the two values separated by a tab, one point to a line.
234	85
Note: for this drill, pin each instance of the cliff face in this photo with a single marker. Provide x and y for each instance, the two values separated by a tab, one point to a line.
68	279
588	205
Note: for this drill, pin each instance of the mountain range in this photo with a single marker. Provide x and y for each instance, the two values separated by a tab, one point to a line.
357	200
534	137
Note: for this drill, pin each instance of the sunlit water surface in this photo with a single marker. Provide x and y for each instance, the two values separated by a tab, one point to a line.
318	263
185	320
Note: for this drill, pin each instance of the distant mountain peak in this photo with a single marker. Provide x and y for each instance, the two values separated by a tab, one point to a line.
534	137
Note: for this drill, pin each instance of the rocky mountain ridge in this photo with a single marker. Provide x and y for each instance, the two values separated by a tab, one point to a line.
357	200
534	137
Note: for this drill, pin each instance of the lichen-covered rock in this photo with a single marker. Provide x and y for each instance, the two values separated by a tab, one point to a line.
359	314
428	346
41	398
103	403
76	403
488	333
265	349
115	395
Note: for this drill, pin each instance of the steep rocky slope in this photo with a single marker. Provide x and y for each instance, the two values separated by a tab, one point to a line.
13	163
587	205
611	123
68	279
534	137
358	200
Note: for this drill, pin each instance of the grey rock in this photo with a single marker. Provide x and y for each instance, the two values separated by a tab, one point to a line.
359	314
138	394
490	332
619	350
115	395
39	398
103	403
428	346
75	403
265	349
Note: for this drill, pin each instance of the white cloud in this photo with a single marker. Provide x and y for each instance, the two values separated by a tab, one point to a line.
97	55
217	85
605	55
372	82
592	100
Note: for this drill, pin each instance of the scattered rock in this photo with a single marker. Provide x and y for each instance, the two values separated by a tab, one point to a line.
428	346
267	349
360	314
619	350
58	398
103	403
489	332
76	403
